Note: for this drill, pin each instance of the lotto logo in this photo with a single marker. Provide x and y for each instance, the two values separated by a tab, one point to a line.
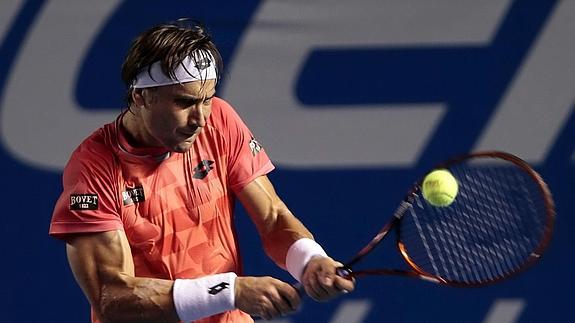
216	289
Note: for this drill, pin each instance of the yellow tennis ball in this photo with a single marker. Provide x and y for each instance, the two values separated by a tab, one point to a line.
440	188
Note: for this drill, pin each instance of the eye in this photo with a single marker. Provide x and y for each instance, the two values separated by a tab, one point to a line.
207	101
184	103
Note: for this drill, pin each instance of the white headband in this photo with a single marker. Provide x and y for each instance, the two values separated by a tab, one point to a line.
199	66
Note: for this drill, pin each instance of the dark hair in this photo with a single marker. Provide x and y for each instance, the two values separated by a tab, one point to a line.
170	44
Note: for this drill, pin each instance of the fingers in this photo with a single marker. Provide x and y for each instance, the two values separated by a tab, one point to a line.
319	284
321	281
266	297
344	284
284	298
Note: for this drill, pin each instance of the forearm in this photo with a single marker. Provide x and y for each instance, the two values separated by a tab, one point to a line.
279	237
156	300
137	300
103	267
276	225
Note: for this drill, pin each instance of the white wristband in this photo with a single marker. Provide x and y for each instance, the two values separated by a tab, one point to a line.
300	253
205	296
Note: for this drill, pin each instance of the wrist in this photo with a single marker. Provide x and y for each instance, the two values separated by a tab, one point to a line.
205	296
300	253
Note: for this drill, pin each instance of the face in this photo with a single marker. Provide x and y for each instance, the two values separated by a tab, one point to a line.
173	116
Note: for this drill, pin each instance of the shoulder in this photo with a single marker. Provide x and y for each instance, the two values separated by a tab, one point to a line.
222	112
225	120
95	155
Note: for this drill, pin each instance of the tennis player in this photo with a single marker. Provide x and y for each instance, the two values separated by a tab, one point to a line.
147	204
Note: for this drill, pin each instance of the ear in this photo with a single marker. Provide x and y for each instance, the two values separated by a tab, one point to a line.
138	97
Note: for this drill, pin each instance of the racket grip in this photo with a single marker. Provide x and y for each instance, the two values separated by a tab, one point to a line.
344	272
300	289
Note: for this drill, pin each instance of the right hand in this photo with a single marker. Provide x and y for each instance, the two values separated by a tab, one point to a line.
265	297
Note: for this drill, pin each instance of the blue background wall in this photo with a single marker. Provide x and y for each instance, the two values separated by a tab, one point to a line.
352	99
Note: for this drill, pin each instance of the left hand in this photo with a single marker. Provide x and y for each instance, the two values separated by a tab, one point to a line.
321	281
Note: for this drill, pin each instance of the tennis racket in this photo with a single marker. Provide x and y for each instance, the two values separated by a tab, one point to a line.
498	225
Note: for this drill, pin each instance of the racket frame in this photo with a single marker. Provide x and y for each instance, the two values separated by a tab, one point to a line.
415	270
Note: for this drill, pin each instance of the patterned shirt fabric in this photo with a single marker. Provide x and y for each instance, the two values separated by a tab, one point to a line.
176	209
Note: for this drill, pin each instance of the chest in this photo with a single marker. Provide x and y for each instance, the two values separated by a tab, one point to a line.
182	186
183	195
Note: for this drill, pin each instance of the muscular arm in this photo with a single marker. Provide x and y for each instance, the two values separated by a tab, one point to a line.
103	267
102	264
276	225
279	229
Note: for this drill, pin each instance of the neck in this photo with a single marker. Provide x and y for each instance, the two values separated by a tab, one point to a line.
132	138
131	130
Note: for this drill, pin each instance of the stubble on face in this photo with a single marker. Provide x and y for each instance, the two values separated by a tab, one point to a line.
171	116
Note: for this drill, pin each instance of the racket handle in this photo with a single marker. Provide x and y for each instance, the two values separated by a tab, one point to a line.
344	272
300	289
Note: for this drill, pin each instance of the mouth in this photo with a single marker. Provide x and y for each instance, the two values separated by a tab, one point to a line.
188	133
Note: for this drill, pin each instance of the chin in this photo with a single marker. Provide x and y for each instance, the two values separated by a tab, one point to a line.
182	147
179	149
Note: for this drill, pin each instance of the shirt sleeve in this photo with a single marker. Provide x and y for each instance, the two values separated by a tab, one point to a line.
88	202
247	159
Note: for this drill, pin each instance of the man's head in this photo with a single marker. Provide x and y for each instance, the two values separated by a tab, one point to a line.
171	72
168	46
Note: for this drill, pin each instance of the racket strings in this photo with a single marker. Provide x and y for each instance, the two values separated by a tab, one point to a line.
491	202
489	232
501	243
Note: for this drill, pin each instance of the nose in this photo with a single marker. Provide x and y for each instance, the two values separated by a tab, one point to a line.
197	116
